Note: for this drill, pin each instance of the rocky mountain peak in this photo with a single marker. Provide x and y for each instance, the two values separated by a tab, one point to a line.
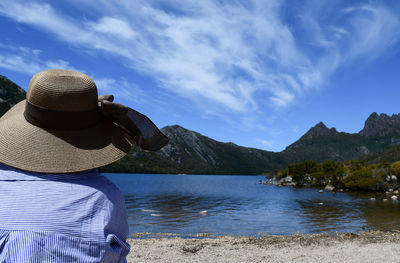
381	125
319	130
186	142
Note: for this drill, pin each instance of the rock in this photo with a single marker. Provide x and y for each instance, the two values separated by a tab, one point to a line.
340	190
391	178
288	179
320	191
390	190
321	203
394	198
204	212
387	192
385	200
396	192
372	199
329	188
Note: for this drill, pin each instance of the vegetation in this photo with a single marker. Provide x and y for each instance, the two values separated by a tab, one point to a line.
354	175
378	146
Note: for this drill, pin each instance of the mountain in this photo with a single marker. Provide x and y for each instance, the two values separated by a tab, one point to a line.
10	94
321	143
191	152
381	126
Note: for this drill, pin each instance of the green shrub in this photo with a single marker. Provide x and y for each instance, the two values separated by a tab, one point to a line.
362	179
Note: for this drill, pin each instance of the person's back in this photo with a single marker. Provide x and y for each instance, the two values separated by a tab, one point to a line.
54	205
78	217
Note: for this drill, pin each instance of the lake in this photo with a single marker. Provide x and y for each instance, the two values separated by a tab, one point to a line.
239	205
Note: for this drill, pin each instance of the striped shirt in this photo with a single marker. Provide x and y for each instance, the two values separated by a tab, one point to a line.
78	217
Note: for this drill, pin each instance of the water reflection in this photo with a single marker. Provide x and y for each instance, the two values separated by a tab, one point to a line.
327	215
238	205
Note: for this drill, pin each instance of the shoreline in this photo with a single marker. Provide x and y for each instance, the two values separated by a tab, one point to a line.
370	246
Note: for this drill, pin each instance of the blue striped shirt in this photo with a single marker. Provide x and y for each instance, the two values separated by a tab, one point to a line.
77	217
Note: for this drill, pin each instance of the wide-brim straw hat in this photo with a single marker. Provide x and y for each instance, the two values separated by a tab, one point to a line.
64	127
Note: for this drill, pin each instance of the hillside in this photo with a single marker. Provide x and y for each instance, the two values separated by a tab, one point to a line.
10	94
191	152
321	143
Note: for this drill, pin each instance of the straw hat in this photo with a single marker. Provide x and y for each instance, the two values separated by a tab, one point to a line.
63	126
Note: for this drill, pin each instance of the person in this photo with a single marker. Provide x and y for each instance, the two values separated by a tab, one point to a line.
55	205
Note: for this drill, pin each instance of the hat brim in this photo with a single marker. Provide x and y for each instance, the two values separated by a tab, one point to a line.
31	148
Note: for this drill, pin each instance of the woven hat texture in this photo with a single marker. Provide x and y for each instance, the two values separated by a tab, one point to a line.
80	145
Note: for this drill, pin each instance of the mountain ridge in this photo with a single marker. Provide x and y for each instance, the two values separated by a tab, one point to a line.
192	152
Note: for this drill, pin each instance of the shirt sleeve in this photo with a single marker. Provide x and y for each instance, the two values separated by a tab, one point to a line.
117	229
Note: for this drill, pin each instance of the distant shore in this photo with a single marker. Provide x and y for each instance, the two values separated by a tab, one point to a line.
371	246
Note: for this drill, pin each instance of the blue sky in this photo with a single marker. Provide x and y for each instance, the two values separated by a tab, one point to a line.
256	73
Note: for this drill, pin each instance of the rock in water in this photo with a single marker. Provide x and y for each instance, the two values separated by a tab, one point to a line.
329	188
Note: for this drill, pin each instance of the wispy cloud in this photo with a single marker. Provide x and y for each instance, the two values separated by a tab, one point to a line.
266	143
29	61
355	32
235	56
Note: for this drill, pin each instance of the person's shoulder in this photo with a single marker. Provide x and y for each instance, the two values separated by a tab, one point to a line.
109	189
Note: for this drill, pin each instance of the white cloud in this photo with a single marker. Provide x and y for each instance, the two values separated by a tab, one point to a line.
356	32
266	143
236	56
28	61
113	26
227	54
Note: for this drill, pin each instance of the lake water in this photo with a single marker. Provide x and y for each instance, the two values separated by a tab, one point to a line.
238	205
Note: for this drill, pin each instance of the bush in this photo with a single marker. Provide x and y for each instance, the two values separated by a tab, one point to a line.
362	179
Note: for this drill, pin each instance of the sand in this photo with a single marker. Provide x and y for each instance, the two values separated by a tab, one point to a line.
372	246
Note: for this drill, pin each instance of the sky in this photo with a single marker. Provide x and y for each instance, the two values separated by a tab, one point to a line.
255	73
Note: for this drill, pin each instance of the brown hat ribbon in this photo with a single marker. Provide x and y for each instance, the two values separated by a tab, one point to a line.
145	133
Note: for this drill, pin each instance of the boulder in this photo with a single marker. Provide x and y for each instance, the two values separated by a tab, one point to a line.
329	187
288	179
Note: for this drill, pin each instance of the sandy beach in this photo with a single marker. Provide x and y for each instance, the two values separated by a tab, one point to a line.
372	246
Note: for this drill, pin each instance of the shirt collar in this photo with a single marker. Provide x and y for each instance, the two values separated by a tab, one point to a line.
8	173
